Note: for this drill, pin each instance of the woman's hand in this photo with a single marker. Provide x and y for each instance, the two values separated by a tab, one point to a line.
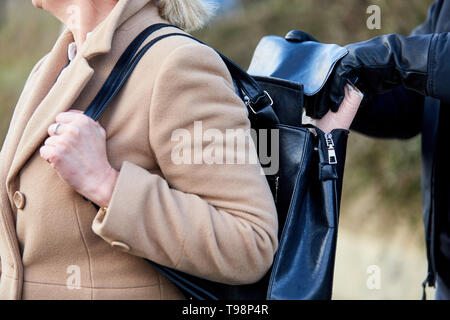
77	151
346	113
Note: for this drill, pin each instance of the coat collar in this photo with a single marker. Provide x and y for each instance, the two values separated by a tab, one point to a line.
100	40
49	97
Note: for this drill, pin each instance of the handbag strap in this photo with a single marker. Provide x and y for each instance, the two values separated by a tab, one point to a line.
107	90
257	100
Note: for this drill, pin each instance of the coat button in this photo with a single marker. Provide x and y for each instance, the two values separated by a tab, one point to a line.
19	200
120	245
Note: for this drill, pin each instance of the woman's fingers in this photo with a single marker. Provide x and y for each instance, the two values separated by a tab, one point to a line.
52	141
48	153
78	118
54	129
60	128
71	122
71	116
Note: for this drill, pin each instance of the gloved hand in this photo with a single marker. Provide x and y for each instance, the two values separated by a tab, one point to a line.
420	63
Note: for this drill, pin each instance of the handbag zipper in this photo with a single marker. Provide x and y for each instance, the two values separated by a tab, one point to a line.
277	184
274	183
331	151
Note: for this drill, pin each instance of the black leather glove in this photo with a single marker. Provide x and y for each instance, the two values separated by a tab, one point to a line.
420	63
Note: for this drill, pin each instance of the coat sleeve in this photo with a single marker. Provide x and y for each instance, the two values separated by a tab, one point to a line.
429	26
216	221
396	114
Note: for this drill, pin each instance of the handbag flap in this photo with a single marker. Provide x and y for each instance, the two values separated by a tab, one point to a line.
309	63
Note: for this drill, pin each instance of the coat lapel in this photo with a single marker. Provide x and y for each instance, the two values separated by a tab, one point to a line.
58	99
35	90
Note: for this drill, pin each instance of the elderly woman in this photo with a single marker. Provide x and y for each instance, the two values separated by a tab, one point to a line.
216	221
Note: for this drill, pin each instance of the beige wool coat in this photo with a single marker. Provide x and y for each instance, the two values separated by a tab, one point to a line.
214	221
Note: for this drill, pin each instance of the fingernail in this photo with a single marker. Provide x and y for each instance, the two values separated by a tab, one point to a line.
353	89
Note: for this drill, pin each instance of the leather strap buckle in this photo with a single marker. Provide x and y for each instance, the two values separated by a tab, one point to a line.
249	104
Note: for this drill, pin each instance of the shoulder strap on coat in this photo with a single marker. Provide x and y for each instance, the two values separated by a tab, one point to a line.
258	101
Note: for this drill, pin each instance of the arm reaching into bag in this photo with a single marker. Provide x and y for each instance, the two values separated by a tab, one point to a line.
397	114
418	63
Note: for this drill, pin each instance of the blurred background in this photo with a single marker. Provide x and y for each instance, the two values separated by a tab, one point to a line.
381	223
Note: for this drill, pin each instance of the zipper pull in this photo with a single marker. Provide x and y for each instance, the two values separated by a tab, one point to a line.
277	185
331	151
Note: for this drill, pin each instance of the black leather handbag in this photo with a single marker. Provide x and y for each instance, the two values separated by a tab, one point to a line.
307	188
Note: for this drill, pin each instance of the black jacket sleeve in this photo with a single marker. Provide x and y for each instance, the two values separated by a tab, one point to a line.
396	114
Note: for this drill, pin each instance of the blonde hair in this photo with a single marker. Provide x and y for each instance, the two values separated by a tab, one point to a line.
186	14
